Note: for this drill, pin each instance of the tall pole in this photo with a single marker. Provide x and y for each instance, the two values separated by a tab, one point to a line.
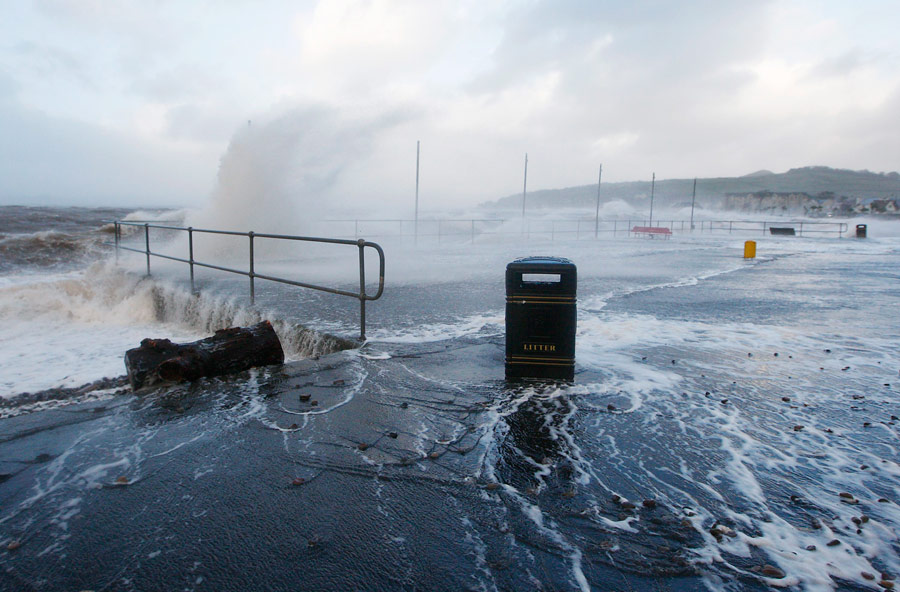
524	192
597	214
652	189
693	198
416	223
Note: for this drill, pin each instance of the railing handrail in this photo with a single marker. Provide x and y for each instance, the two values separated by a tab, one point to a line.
362	296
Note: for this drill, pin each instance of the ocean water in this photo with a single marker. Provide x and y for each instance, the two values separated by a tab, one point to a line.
732	424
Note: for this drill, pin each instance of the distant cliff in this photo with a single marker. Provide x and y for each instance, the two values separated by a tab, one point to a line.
812	191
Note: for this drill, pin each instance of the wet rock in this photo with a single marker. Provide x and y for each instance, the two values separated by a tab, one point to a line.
798	428
848	498
298	481
122	481
314	403
827	351
775	354
392	435
894	418
828	431
856	521
858	397
338	382
833	543
863	518
867	424
363	446
610	407
867	576
304	398
724	401
293	426
492	486
434	455
785	399
626	505
649	503
404	405
886	584
810	547
863	467
13	545
883	500
770	571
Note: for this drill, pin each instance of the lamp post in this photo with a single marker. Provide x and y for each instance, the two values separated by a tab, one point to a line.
597	214
652	189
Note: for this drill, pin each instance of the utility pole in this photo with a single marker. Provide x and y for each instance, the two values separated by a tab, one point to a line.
416	223
652	189
693	198
524	192
597	214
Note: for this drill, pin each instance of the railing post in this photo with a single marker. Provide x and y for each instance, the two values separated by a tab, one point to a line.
252	286
147	243
191	255
801	229
362	289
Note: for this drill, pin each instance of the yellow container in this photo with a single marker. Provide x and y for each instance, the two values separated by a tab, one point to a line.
749	249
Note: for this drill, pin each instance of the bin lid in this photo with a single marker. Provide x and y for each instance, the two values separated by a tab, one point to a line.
542	261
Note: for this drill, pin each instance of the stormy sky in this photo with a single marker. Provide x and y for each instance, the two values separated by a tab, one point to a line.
136	102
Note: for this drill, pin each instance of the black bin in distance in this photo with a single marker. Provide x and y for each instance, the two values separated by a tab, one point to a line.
860	231
540	318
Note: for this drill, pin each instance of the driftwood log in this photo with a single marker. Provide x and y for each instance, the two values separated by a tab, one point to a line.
228	351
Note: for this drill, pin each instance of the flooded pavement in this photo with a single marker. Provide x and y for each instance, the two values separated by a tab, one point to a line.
732	431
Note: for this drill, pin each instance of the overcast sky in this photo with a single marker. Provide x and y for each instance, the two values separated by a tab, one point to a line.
136	102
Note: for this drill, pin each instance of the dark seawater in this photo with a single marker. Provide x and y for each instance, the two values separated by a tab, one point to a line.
732	426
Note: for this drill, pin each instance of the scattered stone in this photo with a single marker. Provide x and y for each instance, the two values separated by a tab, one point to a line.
785	399
775	354
673	361
828	431
882	500
626	505
616	498
610	407
122	481
314	403
894	418
886	584
798	428
298	481
338	382
293	426
363	446
863	518
827	351
434	455
810	547
848	498
867	576
771	571
867	424
392	435
492	486
304	398
863	467
649	503
569	493
856	521
404	405
724	401
13	545
749	355
858	397
833	543
796	499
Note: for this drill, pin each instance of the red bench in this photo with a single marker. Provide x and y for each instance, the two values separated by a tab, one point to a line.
652	231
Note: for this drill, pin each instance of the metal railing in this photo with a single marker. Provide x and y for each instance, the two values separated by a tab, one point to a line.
468	229
362	296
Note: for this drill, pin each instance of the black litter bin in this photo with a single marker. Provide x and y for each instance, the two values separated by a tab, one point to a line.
540	318
860	231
